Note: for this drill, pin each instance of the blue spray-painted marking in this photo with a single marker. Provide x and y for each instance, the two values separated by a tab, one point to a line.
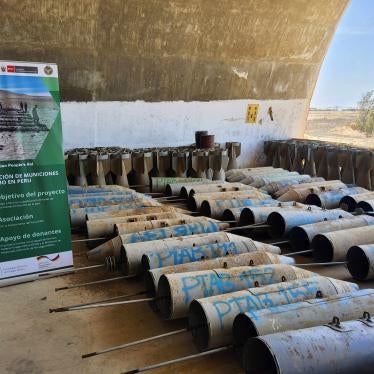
249	303
173	231
177	256
220	282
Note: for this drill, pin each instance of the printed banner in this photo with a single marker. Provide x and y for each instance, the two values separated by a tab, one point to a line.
34	214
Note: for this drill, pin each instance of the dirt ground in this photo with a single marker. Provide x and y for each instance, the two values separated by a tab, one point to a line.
33	341
335	126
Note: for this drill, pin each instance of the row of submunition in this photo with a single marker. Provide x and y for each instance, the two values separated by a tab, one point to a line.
113	165
331	161
240	293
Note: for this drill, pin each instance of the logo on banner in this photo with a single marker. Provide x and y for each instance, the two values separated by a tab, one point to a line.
3	68
44	262
48	70
10	69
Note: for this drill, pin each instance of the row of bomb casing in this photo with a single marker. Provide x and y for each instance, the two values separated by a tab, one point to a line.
170	304
121	166
351	165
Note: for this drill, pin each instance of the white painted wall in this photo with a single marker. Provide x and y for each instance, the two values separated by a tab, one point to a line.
145	124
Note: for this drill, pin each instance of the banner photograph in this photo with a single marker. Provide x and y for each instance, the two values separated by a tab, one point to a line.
34	215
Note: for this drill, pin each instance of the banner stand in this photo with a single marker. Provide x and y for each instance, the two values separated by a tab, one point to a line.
34	212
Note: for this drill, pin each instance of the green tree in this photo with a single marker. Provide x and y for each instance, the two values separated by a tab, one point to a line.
365	122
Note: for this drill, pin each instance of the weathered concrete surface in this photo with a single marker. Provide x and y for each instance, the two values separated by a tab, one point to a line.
161	50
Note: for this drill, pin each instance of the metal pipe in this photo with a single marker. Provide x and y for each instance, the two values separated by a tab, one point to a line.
176	291
66	308
103	305
136	342
176	360
360	260
342	348
283	221
78	285
152	277
331	199
160	257
113	246
302	236
214	315
334	246
350	202
301	315
215	208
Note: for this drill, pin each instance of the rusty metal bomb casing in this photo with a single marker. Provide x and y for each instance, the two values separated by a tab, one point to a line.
350	202
366	205
135	260
113	247
152	277
301	314
78	215
345	348
175	292
82	201
252	215
177	256
129	227
301	236
334	246
260	182
361	261
132	212
159	183
103	227
274	187
174	189
78	190
331	199
223	187
194	202
232	172
283	221
185	189
130	255
210	319
254	176
300	194
215	208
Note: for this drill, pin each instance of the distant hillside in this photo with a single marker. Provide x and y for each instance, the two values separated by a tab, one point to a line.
8	95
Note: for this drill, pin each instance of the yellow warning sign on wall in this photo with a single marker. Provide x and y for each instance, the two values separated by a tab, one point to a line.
251	116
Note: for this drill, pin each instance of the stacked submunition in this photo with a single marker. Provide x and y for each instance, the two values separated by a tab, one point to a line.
235	291
137	167
331	161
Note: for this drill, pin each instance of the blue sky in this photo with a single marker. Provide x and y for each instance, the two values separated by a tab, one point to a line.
348	69
23	85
